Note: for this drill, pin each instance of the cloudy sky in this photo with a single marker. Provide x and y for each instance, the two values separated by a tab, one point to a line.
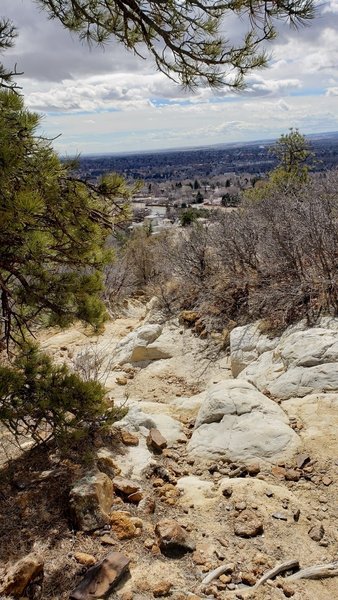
110	101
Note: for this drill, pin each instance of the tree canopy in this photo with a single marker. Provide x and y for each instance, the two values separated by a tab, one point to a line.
53	229
187	40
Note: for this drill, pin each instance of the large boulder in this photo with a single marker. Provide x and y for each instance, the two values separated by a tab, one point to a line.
17	578
90	501
247	343
238	422
302	363
142	345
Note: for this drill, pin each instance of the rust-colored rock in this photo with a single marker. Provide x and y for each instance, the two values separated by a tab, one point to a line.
18	577
162	588
102	577
122	525
125	486
292	475
106	463
189	317
128	438
156	441
172	538
136	497
85	559
248	525
278	472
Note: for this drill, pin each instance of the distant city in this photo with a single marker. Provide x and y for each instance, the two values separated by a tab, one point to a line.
252	158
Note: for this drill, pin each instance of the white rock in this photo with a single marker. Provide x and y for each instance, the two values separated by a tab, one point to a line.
138	420
247	343
238	422
143	345
195	490
303	362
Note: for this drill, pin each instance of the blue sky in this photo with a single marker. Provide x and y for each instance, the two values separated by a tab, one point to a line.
110	101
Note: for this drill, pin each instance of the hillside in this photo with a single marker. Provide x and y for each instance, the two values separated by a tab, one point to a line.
246	475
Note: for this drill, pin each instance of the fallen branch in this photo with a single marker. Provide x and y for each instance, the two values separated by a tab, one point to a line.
216	573
286	566
316	572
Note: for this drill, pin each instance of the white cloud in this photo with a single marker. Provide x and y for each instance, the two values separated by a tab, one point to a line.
111	101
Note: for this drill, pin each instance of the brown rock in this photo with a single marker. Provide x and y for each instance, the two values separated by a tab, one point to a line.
121	380
199	558
247	524
188	317
302	460
316	532
129	439
106	463
278	472
101	578
108	540
292	475
124	486
225	578
156	441
288	591
172	538
162	588
136	497
90	501
85	559
122	525
327	480
248	578
18	577
253	469
147	505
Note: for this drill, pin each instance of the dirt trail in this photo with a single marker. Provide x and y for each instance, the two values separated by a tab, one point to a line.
203	497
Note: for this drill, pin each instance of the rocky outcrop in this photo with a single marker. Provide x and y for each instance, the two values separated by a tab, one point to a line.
18	577
90	501
247	343
143	345
238	422
302	363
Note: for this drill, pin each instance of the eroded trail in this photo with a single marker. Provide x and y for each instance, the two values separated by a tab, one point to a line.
245	479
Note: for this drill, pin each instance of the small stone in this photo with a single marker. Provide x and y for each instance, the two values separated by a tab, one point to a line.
279	516
199	558
156	441
85	559
269	493
225	578
253	469
108	540
278	472
302	460
129	439
121	380
125	486
148	543
327	480
288	591
162	589
172	538
227	492
248	579
292	475
147	505
240	506
247	524
316	532
136	497
122	525
296	515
